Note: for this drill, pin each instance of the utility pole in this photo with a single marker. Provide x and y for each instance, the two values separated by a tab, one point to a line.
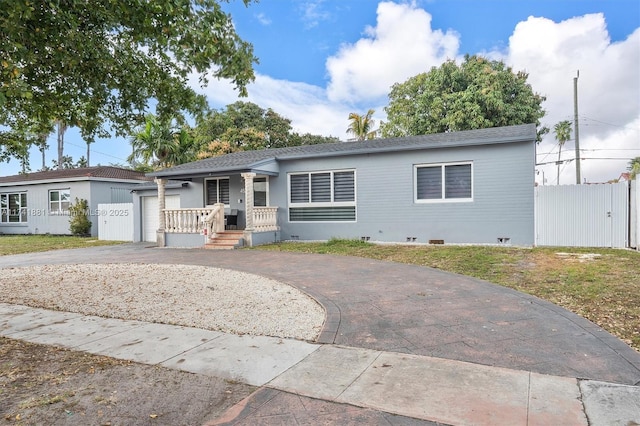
575	123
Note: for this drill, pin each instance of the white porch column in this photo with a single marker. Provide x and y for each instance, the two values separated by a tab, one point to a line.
248	200
161	206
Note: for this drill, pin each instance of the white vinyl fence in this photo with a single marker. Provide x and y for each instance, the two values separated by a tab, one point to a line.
634	222
596	215
115	221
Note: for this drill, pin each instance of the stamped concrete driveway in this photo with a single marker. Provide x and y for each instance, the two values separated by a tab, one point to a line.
410	309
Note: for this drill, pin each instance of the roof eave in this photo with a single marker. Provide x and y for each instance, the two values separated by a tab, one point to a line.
203	172
381	150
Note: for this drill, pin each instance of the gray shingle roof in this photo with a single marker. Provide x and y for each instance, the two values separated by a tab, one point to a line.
247	160
97	172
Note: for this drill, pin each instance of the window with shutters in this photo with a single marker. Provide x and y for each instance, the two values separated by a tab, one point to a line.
328	196
444	182
217	191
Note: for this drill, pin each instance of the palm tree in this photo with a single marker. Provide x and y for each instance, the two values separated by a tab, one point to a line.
62	128
360	126
563	134
161	144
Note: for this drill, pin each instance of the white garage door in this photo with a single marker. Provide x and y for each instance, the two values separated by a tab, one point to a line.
150	214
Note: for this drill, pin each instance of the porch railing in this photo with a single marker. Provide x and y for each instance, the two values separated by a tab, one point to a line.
211	219
185	220
265	219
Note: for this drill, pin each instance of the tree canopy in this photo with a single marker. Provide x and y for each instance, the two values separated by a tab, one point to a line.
634	167
476	94
102	64
244	126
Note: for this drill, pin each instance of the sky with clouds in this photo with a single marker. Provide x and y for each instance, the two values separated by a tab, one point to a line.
322	59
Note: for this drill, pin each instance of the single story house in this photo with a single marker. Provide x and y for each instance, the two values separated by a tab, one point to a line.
461	187
38	203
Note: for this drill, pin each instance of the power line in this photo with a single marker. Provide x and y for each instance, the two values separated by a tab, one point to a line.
95	152
593	149
611	124
568	160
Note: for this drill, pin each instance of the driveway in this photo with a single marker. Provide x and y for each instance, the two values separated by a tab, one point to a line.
410	309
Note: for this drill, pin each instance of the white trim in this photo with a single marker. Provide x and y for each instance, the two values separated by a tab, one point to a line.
70	179
58	211
442	199
325	204
20	209
266	178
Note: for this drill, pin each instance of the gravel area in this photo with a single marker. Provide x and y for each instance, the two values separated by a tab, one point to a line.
193	296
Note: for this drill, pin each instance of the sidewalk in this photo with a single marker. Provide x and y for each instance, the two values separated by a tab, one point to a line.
416	386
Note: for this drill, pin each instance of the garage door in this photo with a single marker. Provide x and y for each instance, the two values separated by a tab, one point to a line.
150	214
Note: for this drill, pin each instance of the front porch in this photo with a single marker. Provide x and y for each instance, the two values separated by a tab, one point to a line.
210	226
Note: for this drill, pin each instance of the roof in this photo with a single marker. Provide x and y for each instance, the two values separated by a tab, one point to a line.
83	173
250	160
152	186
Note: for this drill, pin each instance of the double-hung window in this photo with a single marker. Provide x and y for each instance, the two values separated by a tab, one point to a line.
13	207
217	191
451	182
59	201
328	196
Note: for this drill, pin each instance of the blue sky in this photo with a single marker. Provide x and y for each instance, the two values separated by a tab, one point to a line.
322	59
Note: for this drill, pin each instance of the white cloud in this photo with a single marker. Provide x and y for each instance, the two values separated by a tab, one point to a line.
608	89
401	45
313	13
263	19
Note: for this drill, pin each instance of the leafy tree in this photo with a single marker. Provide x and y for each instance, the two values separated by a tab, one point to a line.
562	131
99	64
634	167
67	163
243	126
13	146
478	93
15	143
308	139
161	143
360	125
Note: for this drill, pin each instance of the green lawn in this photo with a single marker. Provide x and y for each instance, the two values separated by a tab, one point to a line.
602	285
18	244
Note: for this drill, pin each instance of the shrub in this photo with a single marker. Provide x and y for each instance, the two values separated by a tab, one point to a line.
79	223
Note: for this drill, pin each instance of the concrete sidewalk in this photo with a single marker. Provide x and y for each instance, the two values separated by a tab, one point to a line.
419	387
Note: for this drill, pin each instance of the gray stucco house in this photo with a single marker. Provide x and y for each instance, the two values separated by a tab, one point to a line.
461	187
38	203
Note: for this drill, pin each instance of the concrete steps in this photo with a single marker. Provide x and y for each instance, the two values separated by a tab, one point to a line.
226	240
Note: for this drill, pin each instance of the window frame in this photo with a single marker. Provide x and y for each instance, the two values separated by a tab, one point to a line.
331	203
322	204
5	208
259	178
443	198
217	179
59	201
